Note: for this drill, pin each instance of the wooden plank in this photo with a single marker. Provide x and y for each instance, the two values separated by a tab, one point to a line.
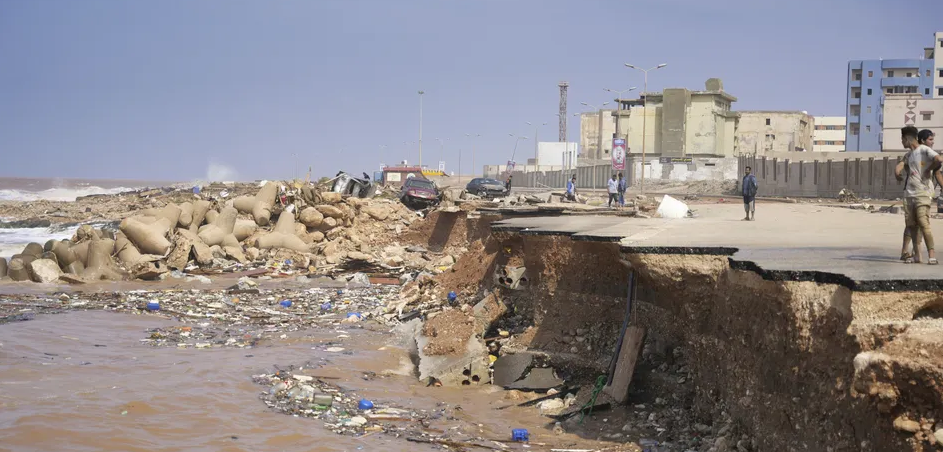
625	367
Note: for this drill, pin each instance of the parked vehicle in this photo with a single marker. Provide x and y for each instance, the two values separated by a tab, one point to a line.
418	193
346	184
487	188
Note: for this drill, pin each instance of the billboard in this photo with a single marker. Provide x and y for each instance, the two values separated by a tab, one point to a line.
618	154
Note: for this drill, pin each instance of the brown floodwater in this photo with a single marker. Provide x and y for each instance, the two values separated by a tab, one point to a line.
84	381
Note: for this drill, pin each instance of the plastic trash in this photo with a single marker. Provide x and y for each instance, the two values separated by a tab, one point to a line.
153	306
326	307
323	400
365	404
196	189
520	434
672	208
286	303
354	314
452	297
648	445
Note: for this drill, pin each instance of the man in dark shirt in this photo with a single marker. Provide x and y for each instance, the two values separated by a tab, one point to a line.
749	195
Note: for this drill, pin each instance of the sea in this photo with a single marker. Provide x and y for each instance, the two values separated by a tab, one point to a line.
12	241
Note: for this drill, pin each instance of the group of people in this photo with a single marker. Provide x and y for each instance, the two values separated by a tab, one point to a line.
616	188
917	170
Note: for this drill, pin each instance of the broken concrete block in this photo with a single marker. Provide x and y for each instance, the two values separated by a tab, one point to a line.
488	311
510	277
235	253
44	271
180	255
538	379
510	368
149	271
202	253
283	235
253	254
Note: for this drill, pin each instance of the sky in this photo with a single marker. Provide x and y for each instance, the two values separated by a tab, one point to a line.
264	89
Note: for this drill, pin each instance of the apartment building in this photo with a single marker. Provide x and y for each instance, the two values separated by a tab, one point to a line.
829	134
869	81
763	132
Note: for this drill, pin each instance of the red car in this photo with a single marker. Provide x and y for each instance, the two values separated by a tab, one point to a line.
419	193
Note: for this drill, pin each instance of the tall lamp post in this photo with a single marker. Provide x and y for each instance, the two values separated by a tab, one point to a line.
536	141
468	135
518	140
421	92
619	106
644	117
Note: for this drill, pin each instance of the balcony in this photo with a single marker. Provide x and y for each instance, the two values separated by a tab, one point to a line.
854	119
901	64
854	83
854	100
900	81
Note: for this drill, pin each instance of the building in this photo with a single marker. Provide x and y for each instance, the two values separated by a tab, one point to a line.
595	145
829	134
763	132
555	153
901	110
869	81
678	123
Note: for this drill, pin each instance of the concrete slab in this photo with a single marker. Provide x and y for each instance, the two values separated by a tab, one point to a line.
787	241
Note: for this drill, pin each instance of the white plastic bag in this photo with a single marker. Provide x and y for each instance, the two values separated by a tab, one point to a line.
672	208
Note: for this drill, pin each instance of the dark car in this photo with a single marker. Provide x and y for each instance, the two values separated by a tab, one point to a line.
487	188
419	193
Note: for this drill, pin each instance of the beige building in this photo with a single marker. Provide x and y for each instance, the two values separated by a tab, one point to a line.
763	132
828	134
901	110
678	123
593	144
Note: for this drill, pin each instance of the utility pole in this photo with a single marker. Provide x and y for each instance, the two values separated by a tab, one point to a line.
619	108
421	92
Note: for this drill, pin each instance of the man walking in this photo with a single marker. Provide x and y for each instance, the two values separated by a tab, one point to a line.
623	186
613	188
918	165
749	194
571	190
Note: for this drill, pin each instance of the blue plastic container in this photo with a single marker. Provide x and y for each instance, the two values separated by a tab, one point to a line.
520	434
286	303
452	297
365	404
196	189
153	306
354	314
326	307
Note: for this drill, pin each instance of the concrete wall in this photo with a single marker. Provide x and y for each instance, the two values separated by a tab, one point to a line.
556	154
673	122
786	131
828	135
825	178
902	110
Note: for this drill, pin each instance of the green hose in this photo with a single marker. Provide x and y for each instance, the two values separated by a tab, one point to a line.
587	408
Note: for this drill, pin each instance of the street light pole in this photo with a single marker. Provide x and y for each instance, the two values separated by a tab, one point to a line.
619	107
536	141
644	117
473	150
515	146
420	128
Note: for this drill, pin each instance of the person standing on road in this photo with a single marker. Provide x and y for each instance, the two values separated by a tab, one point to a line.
623	186
571	189
918	165
926	137
508	184
613	191
749	194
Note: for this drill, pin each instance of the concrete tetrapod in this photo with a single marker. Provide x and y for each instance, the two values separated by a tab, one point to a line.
244	228
3	267
283	236
200	208
100	265
33	249
67	257
128	254
211	216
19	267
149	238
186	215
220	231
170	214
260	206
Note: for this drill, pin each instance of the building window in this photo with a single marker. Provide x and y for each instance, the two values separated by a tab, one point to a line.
890	91
910	74
767	123
926	92
869	92
911	90
857	76
890	73
770	136
939	91
941	72
927	116
854	131
870	74
867	128
869	109
928	72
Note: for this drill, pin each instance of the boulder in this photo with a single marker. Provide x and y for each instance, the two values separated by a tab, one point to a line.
377	212
44	271
358	256
253	254
311	217
328	224
316	237
331	197
283	235
235	253
331	211
179	257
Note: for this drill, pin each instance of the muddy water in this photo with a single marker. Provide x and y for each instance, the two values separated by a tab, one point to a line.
83	381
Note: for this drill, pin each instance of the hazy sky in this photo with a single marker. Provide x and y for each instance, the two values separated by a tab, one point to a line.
163	89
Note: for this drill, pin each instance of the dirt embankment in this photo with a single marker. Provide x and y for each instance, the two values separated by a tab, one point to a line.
795	365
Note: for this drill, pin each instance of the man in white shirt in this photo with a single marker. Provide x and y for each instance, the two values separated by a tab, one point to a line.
613	191
918	166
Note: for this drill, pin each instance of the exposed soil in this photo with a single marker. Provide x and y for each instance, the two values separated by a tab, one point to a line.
449	332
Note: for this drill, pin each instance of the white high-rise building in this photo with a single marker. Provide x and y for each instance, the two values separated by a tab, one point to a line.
829	134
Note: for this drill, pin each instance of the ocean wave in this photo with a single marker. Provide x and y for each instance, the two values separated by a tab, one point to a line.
58	194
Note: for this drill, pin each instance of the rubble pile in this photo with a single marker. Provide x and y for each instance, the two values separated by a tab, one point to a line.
302	226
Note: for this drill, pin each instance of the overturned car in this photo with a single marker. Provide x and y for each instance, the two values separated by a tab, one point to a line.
346	184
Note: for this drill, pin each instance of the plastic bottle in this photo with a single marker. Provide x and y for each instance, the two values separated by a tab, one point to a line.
153	306
452	297
286	303
365	404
